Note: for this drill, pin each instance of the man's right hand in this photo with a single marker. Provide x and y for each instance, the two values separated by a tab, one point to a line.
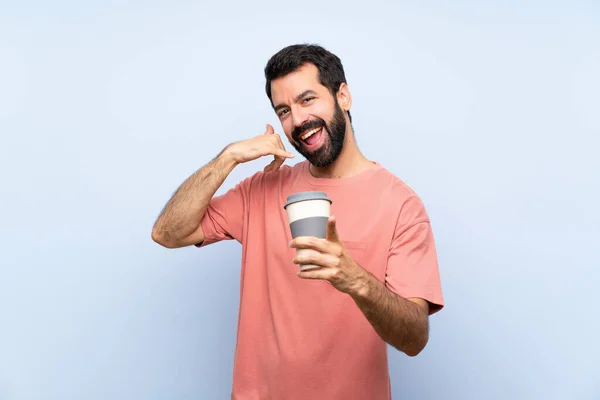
268	143
179	224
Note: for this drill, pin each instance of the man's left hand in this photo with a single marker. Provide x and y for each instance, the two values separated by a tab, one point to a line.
330	254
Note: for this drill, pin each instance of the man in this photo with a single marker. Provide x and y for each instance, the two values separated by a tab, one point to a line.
321	333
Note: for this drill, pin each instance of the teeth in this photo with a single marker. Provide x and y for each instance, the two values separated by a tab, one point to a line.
309	133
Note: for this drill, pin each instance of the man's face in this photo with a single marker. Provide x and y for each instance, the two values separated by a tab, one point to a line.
310	115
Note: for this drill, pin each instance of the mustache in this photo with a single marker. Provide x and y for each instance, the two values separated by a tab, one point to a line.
315	123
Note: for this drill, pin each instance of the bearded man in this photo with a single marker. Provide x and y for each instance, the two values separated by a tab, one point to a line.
320	333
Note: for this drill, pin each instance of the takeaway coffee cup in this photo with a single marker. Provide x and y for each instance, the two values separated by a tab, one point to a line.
308	213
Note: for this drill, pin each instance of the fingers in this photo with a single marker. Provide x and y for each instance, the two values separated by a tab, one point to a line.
269	167
279	142
275	147
325	274
283	154
280	148
310	242
316	258
270	130
277	162
280	156
332	234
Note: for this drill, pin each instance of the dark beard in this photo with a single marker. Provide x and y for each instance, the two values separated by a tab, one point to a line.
331	149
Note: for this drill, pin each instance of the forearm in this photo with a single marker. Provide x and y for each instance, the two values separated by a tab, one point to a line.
183	213
398	321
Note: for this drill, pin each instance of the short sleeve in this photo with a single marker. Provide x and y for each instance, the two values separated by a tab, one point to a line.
412	269
225	215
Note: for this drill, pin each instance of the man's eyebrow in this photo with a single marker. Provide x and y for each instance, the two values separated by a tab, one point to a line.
297	99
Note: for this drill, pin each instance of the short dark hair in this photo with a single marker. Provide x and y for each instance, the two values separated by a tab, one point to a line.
291	58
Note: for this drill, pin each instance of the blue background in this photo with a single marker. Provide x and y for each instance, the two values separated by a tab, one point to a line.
490	112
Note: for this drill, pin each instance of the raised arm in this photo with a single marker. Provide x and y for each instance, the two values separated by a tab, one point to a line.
179	223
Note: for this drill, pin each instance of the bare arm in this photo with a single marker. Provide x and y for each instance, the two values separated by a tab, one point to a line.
403	323
179	223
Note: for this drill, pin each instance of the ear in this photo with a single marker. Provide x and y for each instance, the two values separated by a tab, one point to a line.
344	97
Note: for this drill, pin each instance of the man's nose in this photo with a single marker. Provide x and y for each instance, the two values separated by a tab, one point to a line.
299	117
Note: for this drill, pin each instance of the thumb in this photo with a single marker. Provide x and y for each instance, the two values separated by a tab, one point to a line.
332	234
270	130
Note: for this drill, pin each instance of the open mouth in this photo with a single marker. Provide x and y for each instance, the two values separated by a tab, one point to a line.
312	138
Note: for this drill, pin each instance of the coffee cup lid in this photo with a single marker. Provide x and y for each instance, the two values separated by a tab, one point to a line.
303	196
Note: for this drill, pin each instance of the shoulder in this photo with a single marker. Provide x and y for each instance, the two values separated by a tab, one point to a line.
396	186
399	198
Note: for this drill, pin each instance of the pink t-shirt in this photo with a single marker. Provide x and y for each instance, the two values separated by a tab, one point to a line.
303	339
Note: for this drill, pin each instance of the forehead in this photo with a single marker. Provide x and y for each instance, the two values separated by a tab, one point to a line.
294	83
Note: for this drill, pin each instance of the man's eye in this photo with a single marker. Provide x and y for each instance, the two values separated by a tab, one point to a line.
306	100
282	112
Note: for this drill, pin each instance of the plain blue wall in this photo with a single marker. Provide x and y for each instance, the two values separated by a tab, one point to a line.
490	112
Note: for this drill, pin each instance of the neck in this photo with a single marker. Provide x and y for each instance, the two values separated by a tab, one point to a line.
350	161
